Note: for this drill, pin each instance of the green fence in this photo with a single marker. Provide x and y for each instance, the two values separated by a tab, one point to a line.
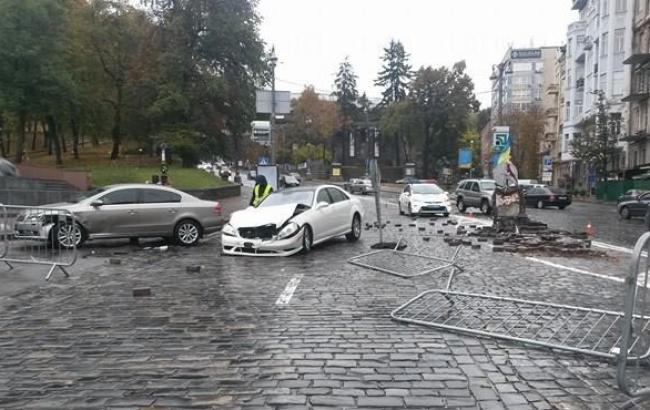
611	190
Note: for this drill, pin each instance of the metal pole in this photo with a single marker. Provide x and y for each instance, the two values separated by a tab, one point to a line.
273	60
500	106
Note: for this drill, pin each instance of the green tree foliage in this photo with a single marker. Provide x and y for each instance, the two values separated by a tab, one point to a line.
598	145
346	92
395	74
394	78
444	98
527	130
404	120
176	71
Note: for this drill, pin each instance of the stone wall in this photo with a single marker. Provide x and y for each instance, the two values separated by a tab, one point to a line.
213	194
33	192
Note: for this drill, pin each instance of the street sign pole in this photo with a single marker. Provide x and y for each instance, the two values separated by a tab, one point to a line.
273	61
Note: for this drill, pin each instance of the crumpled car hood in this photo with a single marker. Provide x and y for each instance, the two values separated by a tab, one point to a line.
252	217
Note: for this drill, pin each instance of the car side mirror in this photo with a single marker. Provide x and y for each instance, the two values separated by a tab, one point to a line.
322	205
97	203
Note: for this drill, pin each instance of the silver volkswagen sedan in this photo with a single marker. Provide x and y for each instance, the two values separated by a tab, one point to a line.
124	211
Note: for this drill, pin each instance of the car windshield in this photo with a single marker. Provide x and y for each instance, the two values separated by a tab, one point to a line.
303	198
427	189
487	185
86	195
367	182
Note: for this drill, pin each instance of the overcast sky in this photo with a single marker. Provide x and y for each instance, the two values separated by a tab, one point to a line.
312	37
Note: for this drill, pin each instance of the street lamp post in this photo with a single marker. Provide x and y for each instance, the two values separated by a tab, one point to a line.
273	60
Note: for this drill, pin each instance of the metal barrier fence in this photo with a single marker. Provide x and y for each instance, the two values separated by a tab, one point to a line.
39	236
635	327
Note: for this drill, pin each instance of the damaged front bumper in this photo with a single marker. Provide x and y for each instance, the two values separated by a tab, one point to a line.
235	245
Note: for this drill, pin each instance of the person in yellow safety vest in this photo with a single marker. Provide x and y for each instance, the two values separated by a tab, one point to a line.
261	190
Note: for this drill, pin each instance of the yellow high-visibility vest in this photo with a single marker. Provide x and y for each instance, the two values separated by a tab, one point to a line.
259	198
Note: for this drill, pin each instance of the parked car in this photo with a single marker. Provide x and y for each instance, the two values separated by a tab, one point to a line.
424	199
362	186
125	211
634	207
475	193
296	175
288	181
291	221
7	169
543	196
252	174
630	194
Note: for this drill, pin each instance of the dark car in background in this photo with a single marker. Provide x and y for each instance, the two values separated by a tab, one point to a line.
543	196
635	207
630	194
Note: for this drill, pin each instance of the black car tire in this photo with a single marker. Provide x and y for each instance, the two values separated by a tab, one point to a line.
540	204
561	207
625	213
63	228
307	239
355	232
460	204
187	232
485	207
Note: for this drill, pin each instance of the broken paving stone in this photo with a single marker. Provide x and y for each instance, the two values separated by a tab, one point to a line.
193	269
497	249
141	292
476	246
115	261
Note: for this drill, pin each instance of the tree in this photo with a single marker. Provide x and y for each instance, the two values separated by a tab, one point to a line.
346	91
599	141
527	130
313	120
403	119
443	97
395	74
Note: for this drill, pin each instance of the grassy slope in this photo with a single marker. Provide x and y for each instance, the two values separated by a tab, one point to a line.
133	168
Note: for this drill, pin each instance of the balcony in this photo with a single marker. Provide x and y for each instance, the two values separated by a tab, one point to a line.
636	97
637	58
552	89
640	136
579	4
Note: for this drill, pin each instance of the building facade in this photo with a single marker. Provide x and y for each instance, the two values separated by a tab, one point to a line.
595	50
553	140
639	61
520	83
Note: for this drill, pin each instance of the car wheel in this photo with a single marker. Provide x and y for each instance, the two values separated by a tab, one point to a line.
355	232
187	232
307	239
561	207
485	207
540	204
460	204
67	235
446	214
625	213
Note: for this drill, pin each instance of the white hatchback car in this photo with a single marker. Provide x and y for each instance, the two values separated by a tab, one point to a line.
293	220
424	199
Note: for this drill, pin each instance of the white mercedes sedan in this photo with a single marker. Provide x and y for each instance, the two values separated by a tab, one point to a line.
293	220
424	199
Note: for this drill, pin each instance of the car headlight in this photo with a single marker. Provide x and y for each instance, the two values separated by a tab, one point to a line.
228	230
289	230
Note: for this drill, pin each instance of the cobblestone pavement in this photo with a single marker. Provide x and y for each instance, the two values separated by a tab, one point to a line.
217	338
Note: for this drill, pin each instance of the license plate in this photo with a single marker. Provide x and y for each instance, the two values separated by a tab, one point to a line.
561	197
248	245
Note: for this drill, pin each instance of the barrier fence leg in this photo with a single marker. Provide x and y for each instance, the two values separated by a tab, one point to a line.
9	264
49	274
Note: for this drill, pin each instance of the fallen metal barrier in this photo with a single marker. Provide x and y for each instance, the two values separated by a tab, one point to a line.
635	325
39	236
404	264
575	329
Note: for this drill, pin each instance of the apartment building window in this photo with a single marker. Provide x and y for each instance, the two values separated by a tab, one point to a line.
635	160
567	111
603	82
621	6
604	45
605	8
568	47
617	78
565	146
619	41
643	116
642	159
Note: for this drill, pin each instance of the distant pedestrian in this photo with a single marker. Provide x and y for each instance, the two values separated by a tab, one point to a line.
261	190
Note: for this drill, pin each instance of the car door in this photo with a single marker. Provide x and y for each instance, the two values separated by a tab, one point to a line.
157	212
117	214
639	208
474	194
322	217
342	211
